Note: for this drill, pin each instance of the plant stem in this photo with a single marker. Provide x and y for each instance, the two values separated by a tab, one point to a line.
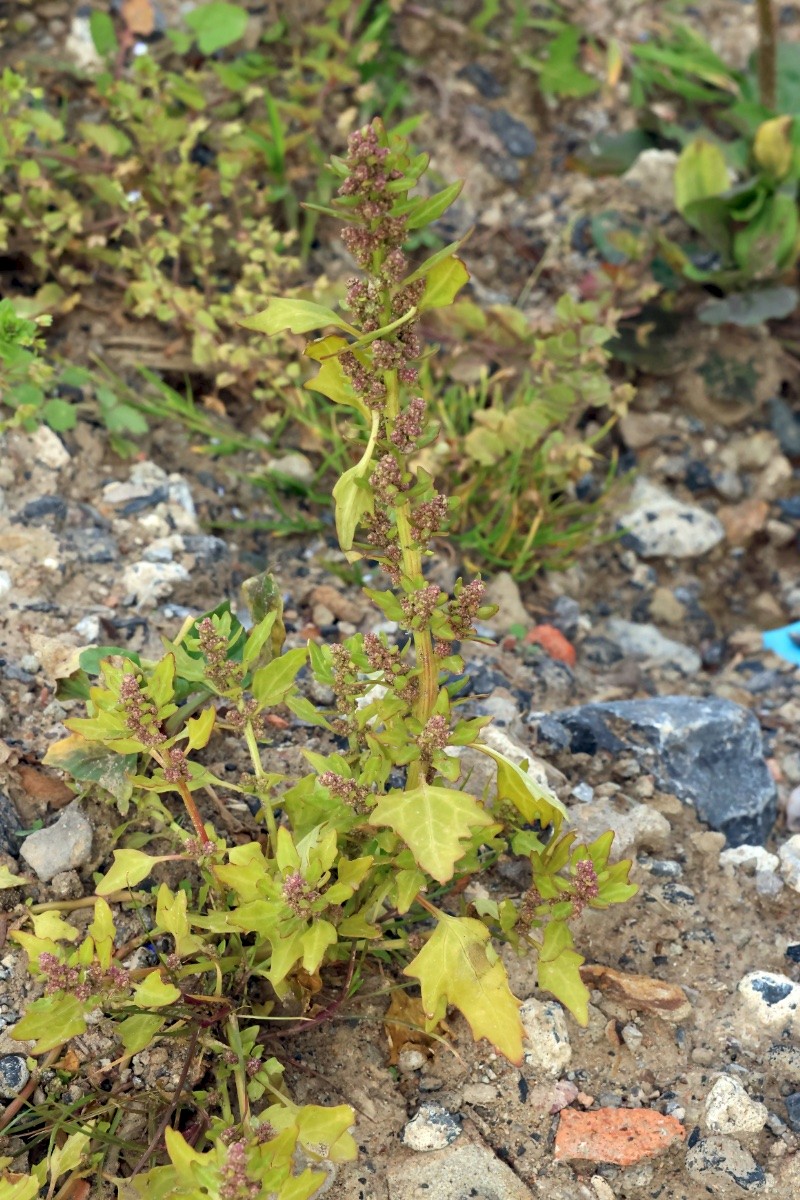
767	54
259	772
194	813
412	569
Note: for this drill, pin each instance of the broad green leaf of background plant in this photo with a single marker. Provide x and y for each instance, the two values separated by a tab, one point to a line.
298	316
217	25
532	801
444	283
458	966
558	971
93	762
769	243
352	501
433	822
773	149
701	172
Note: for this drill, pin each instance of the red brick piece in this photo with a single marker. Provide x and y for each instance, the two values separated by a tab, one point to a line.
622	1136
552	642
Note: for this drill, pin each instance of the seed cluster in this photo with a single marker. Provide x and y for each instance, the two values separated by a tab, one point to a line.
141	714
81	982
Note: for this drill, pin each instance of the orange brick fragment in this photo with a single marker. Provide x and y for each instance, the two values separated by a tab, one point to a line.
552	642
622	1136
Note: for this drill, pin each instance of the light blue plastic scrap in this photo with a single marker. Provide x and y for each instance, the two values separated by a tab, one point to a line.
784	642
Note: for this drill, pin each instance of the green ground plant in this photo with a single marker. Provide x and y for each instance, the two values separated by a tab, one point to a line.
359	859
175	175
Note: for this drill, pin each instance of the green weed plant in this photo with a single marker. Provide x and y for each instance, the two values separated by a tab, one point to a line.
359	860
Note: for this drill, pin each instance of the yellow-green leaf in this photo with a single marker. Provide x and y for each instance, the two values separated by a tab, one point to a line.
331	380
701	172
7	880
532	801
558	971
138	1031
200	729
155	992
316	941
459	966
444	283
51	1021
433	822
68	1157
129	868
272	683
354	502
772	148
298	316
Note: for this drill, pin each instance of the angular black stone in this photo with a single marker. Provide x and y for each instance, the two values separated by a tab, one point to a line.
708	752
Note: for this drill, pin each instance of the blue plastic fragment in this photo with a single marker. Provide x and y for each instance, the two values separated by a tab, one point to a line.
784	642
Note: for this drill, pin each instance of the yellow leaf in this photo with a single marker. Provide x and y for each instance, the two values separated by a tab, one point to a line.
433	822
155	992
772	149
443	284
458	966
353	502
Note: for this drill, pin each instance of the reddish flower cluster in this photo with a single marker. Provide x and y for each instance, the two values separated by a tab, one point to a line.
464	607
297	894
177	770
409	425
61	978
141	714
586	885
352	793
428	518
435	736
214	648
418	606
235	1183
387	480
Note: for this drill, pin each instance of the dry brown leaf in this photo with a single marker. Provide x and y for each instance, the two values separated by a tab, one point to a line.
743	521
139	16
58	658
639	992
404	1023
41	786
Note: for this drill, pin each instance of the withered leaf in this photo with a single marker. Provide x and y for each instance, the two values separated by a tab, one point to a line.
641	992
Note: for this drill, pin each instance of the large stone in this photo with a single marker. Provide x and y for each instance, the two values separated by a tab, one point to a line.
63	846
708	752
729	1109
547	1046
465	1168
717	1162
657	525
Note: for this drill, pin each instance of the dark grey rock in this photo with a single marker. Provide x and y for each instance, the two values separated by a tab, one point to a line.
786	426
205	547
483	79
565	615
783	1062
10	825
552	732
51	509
14	1074
517	139
793	1111
91	545
708	752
